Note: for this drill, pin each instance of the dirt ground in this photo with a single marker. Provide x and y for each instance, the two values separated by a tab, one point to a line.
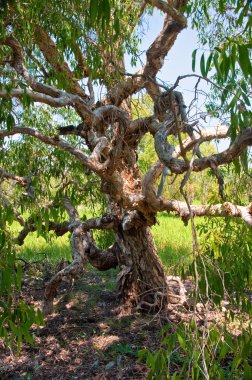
88	336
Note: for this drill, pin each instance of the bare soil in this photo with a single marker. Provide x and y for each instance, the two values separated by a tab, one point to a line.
88	337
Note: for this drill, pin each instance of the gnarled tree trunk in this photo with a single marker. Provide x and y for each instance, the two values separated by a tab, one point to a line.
142	280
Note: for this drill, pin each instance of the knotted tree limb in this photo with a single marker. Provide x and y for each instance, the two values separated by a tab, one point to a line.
180	208
83	250
243	140
171	11
99	258
55	141
66	99
200	136
59	229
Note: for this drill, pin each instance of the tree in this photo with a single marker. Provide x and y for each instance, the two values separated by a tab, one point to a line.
53	57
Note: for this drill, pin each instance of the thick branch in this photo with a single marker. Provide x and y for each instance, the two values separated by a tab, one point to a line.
181	208
170	10
64	100
218	210
55	141
208	134
99	258
18	64
243	140
156	53
52	55
20	180
59	228
103	223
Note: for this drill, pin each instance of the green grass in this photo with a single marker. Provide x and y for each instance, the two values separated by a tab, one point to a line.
173	240
53	250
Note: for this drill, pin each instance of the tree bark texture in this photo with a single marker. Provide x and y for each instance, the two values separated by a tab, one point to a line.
142	280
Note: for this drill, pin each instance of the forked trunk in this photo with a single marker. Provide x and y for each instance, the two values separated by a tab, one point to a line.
142	281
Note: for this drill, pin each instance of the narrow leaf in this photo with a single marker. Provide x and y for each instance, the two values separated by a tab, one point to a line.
244	60
202	65
194	59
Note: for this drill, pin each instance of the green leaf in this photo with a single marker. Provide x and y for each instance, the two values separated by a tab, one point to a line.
40	319
216	62
237	166
224	95
46	217
208	64
194	59
181	341
105	10
93	10
39	225
232	58
244	60
117	25
247	371
221	6
246	99
142	354
28	336
19	276
10	122
13	327
202	65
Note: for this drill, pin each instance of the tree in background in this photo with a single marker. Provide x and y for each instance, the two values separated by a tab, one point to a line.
70	135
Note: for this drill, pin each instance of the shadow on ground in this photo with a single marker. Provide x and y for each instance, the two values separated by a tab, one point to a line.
88	336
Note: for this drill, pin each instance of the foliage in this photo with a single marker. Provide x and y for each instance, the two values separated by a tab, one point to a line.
16	317
191	352
103	22
226	264
222	270
225	32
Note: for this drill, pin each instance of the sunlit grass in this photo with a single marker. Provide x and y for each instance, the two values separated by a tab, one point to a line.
173	240
37	248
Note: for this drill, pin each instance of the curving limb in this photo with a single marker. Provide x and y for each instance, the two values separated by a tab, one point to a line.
178	166
145	78
83	250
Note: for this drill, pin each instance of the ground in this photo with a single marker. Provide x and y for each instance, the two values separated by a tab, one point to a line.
88	336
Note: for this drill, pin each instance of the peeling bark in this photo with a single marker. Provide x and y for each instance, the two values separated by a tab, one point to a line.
142	281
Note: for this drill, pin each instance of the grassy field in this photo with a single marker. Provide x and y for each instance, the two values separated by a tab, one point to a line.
173	240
